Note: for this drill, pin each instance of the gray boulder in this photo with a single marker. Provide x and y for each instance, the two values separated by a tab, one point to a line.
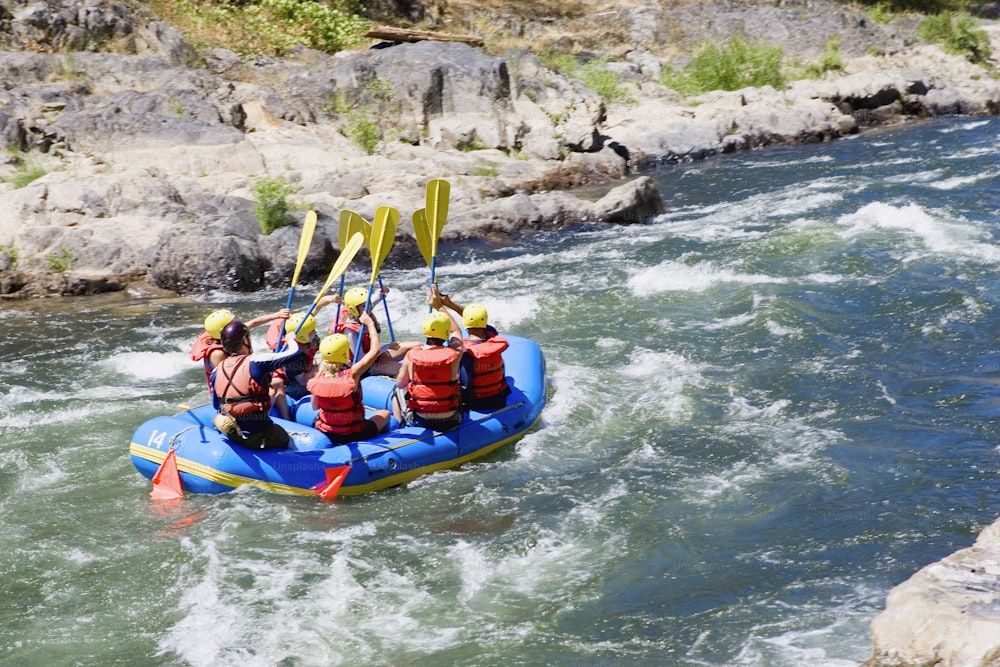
946	614
634	202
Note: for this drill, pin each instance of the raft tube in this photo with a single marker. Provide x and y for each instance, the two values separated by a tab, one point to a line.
210	463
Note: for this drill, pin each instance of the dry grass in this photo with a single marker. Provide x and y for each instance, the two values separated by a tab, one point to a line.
565	25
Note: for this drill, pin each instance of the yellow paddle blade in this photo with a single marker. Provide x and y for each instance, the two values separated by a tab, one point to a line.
423	234
352	222
436	209
305	240
382	237
340	266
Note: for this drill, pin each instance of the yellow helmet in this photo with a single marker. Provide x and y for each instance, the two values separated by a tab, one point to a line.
437	325
306	331
217	321
335	348
353	298
474	316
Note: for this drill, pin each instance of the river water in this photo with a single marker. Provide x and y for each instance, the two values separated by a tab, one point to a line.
767	408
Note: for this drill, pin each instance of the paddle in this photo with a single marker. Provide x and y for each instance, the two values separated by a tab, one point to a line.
429	221
350	224
436	211
339	267
423	234
390	224
305	241
382	237
167	480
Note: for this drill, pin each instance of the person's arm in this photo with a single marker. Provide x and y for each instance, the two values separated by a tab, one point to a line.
365	362
379	295
284	314
403	377
447	300
352	337
456	331
325	301
211	385
263	364
437	300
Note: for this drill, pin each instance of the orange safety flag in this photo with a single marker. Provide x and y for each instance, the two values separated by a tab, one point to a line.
334	478
167	480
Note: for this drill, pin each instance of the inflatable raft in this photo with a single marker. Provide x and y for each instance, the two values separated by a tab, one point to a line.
209	462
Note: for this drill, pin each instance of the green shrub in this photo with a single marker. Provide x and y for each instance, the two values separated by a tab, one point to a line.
881	12
561	62
26	173
379	101
362	131
958	33
593	74
489	170
267	26
13	256
606	83
830	61
738	65
27	170
271	207
60	263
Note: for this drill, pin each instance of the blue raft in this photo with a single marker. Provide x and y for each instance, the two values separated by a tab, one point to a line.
210	463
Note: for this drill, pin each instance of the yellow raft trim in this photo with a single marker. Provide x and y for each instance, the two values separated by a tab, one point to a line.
214	474
227	479
410	475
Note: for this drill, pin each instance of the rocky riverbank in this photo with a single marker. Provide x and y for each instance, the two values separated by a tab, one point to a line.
149	153
947	614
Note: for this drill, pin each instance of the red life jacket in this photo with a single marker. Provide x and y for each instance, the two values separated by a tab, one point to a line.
488	374
339	401
202	350
341	324
239	394
431	388
289	371
274	331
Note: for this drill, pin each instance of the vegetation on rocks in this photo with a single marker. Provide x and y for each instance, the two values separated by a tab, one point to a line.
736	65
270	202
958	34
26	173
266	26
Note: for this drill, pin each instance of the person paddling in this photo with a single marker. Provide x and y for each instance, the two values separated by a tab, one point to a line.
391	354
482	373
207	348
290	380
336	390
427	389
241	386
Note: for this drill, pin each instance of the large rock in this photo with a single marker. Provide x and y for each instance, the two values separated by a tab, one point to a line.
150	162
633	202
947	614
88	25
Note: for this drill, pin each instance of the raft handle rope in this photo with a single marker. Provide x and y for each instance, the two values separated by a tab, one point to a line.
435	433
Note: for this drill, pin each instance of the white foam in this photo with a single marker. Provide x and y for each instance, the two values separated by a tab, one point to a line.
929	176
677	276
660	378
148	365
935	235
781	331
956	182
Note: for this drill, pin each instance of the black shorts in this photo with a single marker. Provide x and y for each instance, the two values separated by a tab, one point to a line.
369	431
272	437
445	424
